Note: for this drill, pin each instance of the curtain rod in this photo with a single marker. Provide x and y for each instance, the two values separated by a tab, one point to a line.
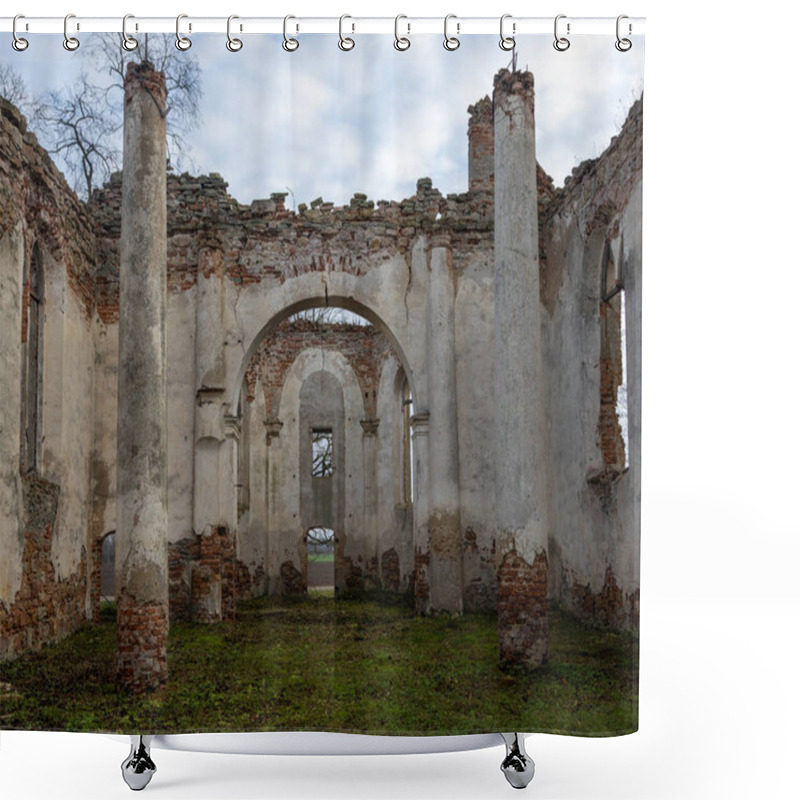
349	25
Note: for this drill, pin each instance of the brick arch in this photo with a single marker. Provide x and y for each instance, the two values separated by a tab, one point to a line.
337	289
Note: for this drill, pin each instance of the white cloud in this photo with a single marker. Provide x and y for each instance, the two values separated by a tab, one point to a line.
374	120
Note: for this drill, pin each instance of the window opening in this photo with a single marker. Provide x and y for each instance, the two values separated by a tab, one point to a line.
321	453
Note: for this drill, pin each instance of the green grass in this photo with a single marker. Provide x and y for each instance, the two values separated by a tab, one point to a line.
343	665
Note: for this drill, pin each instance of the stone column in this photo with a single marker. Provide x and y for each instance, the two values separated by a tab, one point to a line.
370	445
445	571
141	537
419	435
210	408
521	541
272	428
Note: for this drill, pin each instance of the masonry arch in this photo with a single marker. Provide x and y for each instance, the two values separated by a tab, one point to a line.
307	291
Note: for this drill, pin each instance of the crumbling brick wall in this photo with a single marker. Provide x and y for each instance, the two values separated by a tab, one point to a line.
44	545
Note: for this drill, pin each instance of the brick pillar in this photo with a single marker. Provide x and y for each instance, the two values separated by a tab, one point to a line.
141	540
445	570
481	146
521	540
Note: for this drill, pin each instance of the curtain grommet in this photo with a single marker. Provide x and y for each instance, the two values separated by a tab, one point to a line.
622	44
290	44
401	43
560	43
18	42
70	43
451	43
129	43
233	44
346	43
183	43
507	42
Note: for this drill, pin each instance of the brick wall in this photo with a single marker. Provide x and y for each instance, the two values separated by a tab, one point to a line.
45	608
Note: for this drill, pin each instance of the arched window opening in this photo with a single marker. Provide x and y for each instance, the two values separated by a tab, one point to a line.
320	544
33	340
622	389
107	584
613	425
407	410
322	453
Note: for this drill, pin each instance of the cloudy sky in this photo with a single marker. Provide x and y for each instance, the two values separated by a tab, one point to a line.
319	122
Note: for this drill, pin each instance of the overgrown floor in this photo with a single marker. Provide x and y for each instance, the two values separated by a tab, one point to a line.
320	664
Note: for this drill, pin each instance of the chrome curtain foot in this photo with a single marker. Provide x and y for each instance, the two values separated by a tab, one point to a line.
138	768
517	766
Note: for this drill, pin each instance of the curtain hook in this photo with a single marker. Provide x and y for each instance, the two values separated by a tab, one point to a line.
401	43
18	43
507	42
346	43
451	42
233	44
128	42
289	44
70	42
561	43
182	42
623	45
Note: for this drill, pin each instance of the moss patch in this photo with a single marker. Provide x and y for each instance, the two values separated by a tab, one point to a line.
320	664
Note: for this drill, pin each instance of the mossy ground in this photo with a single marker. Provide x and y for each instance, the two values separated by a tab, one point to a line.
362	666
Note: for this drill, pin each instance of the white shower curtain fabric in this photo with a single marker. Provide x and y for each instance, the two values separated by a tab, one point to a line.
320	378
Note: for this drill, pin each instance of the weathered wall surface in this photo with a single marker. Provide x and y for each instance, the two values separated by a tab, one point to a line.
234	274
594	498
44	549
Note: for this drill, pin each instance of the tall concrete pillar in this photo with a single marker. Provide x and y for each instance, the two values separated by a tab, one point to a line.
370	445
210	408
445	570
521	540
272	428
419	435
141	536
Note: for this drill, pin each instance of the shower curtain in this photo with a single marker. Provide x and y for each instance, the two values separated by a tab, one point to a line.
320	383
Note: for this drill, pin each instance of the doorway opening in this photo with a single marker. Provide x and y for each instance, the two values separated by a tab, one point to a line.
320	546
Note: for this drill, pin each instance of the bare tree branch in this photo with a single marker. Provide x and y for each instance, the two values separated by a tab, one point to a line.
81	125
13	87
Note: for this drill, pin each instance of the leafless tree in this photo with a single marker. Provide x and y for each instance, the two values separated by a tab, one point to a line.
12	87
79	132
181	72
81	124
330	315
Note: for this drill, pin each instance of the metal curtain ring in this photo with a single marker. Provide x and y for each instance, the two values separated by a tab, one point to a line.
289	44
346	43
623	45
18	43
70	42
128	42
561	43
507	42
401	43
451	42
182	42
233	44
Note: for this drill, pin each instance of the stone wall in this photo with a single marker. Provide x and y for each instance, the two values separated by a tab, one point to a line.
44	549
592	222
